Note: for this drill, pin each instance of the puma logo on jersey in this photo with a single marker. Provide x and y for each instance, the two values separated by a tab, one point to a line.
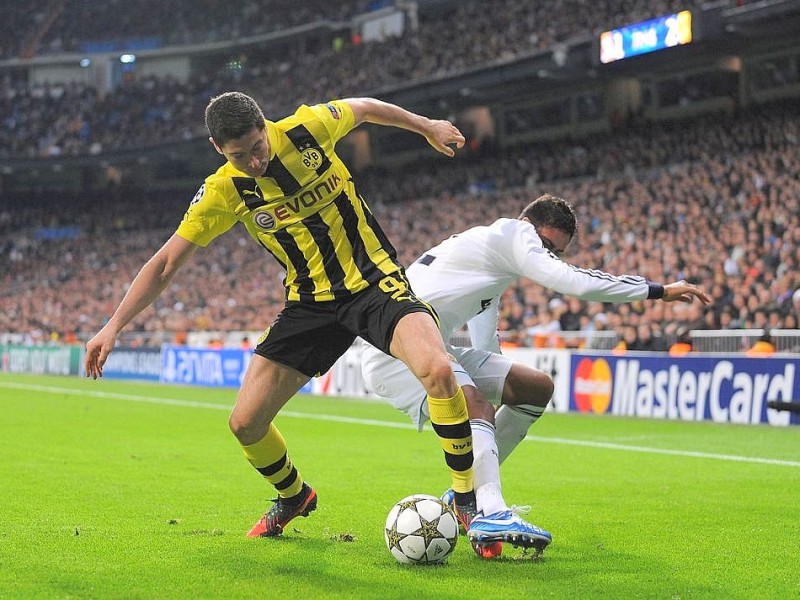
249	192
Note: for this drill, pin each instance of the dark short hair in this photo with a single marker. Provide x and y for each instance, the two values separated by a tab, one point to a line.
232	115
551	211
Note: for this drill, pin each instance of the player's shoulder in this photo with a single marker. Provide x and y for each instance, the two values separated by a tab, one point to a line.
219	185
501	237
507	224
498	230
308	112
220	178
302	113
510	229
333	113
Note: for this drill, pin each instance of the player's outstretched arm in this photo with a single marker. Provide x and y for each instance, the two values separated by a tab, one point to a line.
146	286
441	134
680	291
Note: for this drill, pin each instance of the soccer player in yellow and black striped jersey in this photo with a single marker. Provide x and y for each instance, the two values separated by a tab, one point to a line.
285	183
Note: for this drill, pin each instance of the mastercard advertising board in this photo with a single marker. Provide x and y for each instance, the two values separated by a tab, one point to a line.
720	388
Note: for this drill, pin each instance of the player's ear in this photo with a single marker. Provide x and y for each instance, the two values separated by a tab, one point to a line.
213	143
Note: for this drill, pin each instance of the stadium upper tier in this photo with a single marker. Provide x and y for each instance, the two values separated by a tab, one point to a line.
58	26
469	31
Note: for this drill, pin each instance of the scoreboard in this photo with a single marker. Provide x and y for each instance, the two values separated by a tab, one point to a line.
647	36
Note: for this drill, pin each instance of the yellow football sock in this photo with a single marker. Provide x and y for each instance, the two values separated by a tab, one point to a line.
451	423
269	457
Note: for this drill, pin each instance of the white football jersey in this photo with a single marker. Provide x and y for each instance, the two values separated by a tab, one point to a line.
464	277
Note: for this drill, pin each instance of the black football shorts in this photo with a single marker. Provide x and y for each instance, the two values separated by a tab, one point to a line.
310	336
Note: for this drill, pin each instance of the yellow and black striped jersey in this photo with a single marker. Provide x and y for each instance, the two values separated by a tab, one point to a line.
304	211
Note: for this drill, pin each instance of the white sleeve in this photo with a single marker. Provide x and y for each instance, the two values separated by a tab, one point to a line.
531	260
483	328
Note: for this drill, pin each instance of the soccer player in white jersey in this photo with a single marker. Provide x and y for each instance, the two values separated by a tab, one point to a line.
463	278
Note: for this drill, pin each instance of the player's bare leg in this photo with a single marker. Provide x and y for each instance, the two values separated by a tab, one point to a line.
417	341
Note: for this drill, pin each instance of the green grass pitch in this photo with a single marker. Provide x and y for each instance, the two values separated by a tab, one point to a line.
114	489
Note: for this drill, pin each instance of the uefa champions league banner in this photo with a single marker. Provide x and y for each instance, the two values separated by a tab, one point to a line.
41	360
719	388
142	364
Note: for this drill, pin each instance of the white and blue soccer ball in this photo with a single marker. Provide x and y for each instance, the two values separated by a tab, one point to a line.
421	529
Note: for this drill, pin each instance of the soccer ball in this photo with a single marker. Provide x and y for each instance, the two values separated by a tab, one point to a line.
421	529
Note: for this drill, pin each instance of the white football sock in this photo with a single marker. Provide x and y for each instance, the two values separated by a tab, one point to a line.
486	468
512	424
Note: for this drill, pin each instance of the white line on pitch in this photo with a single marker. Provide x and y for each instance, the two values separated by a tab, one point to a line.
377	423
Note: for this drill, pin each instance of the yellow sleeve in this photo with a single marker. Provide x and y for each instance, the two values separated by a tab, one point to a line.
337	117
207	216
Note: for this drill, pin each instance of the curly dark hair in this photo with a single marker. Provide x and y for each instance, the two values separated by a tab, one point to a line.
551	211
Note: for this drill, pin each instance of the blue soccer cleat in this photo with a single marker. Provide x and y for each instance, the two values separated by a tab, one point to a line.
507	526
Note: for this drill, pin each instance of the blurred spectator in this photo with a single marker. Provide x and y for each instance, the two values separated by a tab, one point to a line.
683	345
629	340
764	346
646	342
570	318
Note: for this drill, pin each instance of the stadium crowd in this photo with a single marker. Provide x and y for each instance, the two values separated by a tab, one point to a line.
725	213
50	27
77	118
47	27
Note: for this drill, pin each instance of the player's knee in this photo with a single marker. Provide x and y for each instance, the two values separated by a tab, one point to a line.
545	390
528	386
438	378
246	430
538	392
237	426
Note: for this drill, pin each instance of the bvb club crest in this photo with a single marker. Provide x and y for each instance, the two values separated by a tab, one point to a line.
312	158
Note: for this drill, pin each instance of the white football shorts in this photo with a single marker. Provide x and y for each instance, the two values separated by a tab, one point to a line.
390	378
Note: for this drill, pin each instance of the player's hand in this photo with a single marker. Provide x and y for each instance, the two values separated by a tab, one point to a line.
442	135
680	291
97	350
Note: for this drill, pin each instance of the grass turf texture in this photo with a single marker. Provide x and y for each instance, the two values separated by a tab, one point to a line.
112	490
